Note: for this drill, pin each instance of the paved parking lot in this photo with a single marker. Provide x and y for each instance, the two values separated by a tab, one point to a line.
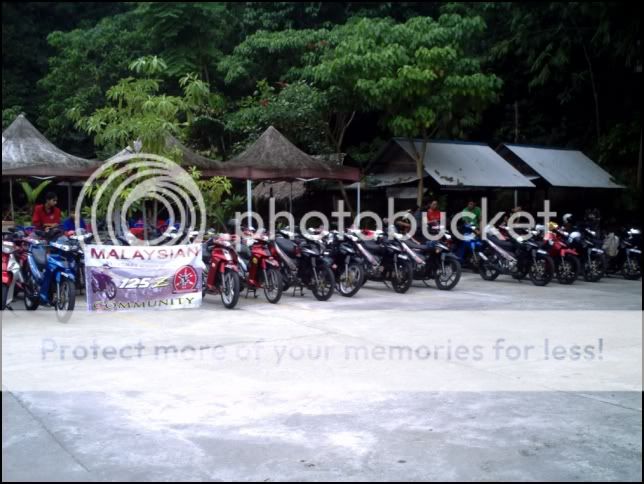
223	419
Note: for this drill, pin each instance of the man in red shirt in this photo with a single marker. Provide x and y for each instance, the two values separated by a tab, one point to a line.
47	215
433	214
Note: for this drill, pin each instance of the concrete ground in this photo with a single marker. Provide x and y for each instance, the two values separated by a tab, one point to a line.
270	419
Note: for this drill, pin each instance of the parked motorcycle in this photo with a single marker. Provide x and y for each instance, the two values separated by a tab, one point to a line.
592	258
303	264
349	266
14	260
628	260
221	272
77	239
386	261
566	258
515	257
11	273
439	264
258	268
469	247
50	278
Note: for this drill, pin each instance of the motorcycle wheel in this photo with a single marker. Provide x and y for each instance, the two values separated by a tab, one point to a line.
488	271
32	298
473	263
542	271
65	305
351	280
285	282
5	292
594	271
446	281
323	290
402	283
631	270
568	269
110	290
521	274
273	285
229	289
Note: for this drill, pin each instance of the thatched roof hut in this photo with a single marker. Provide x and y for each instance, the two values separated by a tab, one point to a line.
207	166
281	190
273	157
26	152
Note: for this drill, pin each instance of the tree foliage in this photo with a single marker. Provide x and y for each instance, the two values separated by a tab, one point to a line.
334	76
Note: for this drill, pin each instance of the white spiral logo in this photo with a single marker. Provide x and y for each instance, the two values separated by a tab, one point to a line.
144	176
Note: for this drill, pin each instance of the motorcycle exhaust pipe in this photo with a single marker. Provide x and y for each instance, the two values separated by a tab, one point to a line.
368	256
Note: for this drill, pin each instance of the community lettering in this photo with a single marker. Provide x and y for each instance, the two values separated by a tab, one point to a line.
115	306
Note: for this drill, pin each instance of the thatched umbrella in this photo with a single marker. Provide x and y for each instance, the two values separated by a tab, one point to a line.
273	157
26	152
189	158
281	190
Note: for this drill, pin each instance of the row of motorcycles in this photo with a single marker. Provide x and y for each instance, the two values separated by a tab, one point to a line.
322	262
543	254
47	267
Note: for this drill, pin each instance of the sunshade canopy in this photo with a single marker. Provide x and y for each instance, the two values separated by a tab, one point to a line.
273	157
451	164
26	152
558	167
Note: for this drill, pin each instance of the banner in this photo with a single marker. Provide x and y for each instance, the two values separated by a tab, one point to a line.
122	278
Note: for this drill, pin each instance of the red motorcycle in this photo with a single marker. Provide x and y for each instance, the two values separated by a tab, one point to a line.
567	263
14	255
259	269
221	274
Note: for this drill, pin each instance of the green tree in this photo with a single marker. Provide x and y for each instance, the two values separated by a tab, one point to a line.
190	36
32	193
139	112
294	110
85	64
25	51
419	74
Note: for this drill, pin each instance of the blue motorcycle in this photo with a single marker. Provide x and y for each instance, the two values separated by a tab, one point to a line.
469	248
50	274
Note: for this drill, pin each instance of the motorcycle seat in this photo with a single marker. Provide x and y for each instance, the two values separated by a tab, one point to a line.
504	244
415	245
374	247
244	252
287	246
40	256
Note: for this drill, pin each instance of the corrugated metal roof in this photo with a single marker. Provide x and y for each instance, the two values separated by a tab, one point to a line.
564	168
389	179
459	165
402	192
379	180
